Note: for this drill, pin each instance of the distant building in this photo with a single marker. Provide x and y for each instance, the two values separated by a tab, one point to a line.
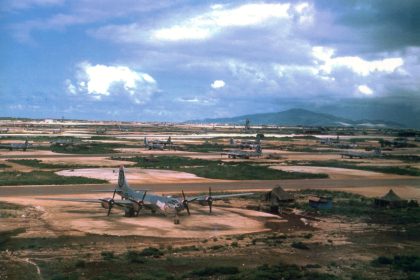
277	197
320	202
391	199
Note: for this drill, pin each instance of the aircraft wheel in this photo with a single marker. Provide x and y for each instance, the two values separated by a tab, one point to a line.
129	212
176	221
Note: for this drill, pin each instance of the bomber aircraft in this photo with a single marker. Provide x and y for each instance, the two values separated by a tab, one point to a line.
350	154
16	146
133	201
246	144
244	154
157	144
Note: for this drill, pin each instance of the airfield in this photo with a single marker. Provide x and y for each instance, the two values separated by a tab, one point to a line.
45	239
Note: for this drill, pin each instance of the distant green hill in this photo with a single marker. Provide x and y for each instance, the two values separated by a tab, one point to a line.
299	117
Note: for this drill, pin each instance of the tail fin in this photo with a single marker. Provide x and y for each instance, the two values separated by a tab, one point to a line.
258	149
145	141
169	141
231	141
122	182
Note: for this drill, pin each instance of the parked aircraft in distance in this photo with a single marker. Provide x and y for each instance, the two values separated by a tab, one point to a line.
101	130
246	144
133	201
350	154
158	144
63	142
244	154
16	146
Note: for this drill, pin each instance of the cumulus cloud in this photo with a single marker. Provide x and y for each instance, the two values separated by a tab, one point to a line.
218	84
357	64
206	25
103	80
364	89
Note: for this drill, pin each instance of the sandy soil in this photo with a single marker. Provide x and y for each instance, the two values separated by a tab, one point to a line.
302	156
138	175
404	192
337	173
29	153
73	218
100	161
150	152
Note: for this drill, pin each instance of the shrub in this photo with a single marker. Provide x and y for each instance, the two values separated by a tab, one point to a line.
107	255
300	245
217	270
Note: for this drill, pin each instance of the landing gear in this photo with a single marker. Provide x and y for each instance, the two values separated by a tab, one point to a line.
129	212
176	220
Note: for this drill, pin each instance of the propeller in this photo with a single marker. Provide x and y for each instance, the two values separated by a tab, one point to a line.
111	202
185	202
209	200
140	203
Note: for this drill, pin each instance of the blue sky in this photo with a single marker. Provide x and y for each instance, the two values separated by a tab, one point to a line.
180	60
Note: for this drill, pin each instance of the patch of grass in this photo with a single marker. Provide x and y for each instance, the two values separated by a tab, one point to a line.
36	163
217	169
244	171
300	245
215	270
107	255
357	206
3	165
164	162
135	257
10	206
89	148
151	252
13	178
407	170
203	148
405	158
282	271
406	263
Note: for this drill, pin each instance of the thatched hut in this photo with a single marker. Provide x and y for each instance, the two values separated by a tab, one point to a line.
391	199
278	197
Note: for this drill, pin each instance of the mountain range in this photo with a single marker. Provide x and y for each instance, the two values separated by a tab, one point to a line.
299	117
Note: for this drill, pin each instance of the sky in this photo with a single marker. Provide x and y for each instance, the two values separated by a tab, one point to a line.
174	60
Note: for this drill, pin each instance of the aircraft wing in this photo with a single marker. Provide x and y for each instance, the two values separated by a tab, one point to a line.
217	197
119	202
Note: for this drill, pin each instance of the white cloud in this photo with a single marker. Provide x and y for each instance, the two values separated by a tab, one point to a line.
102	80
206	25
364	89
328	63
218	84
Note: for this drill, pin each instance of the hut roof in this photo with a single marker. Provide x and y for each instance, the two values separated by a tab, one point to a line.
281	194
391	196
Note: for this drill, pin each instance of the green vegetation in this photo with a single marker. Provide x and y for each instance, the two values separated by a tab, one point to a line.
89	148
3	165
282	271
203	148
357	206
13	178
299	245
217	169
409	264
107	255
405	158
407	170
215	270
36	163
244	171
165	162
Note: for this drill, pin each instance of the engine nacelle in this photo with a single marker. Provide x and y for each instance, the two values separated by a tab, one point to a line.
106	203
